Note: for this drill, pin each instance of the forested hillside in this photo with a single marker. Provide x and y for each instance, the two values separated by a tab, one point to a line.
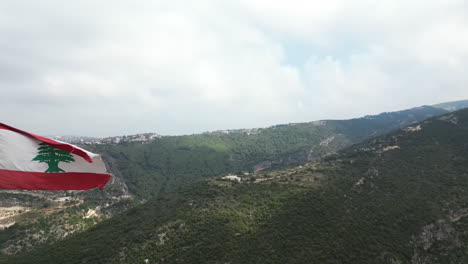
142	171
162	165
397	198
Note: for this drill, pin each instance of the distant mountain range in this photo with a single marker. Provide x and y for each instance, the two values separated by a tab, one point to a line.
449	106
453	106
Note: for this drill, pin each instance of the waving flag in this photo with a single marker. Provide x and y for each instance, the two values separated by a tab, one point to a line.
31	162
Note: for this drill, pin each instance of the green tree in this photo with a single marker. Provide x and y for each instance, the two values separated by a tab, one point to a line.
52	157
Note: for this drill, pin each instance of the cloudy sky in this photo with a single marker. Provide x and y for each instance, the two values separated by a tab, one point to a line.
107	67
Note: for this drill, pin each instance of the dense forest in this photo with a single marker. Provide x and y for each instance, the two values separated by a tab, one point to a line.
166	163
142	171
396	198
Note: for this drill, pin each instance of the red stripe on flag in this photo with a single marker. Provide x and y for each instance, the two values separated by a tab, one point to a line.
59	145
25	180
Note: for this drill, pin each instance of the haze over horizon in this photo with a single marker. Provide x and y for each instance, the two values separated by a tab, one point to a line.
240	128
115	67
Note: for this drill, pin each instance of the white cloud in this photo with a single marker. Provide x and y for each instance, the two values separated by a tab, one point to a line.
119	67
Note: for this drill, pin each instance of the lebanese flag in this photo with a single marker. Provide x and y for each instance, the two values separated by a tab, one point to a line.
31	162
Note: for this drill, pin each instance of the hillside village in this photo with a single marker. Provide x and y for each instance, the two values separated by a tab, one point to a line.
141	138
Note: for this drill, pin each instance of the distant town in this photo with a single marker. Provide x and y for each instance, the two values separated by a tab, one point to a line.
148	137
140	138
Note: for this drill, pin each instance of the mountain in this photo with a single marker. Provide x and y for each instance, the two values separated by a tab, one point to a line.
168	162
396	198
452	106
145	169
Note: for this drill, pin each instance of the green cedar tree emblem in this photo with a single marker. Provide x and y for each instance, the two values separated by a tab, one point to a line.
52	157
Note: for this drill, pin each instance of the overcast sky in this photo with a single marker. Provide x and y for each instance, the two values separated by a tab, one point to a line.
102	68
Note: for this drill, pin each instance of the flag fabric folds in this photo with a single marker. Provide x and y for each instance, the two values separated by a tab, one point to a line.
32	162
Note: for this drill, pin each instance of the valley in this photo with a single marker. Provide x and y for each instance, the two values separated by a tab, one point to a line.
175	189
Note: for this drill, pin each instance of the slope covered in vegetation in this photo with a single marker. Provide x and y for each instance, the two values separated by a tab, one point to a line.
397	198
166	163
150	169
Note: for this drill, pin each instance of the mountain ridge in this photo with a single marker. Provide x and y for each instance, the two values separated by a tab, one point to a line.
396	198
447	106
143	171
